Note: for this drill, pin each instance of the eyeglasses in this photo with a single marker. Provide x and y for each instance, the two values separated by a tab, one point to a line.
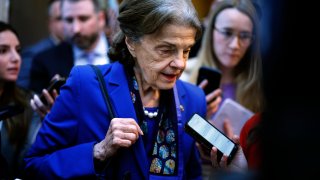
228	34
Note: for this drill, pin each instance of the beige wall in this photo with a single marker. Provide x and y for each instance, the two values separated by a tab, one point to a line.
29	17
202	6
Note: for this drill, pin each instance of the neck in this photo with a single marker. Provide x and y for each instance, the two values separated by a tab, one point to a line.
227	76
150	96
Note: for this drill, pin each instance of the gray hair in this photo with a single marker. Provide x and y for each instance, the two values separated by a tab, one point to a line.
140	17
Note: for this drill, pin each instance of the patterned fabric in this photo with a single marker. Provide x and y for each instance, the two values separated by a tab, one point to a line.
164	150
164	154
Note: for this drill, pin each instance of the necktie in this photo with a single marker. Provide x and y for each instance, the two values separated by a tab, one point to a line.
90	57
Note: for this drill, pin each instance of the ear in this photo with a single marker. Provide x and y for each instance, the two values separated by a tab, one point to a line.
102	19
130	46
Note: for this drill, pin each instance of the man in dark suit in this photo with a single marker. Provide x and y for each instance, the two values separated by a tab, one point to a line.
83	22
55	37
57	60
85	43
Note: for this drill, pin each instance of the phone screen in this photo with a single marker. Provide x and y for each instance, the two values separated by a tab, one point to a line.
212	135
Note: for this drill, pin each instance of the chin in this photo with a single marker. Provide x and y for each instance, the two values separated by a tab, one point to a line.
11	79
167	86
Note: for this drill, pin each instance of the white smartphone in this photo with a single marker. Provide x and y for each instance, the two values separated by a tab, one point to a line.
208	135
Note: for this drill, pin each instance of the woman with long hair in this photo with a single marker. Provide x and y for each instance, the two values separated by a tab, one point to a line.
18	123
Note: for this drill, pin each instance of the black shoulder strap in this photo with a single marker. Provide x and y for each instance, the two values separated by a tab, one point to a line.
104	91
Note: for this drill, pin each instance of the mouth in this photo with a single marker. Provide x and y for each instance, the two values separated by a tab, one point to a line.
13	70
170	77
233	55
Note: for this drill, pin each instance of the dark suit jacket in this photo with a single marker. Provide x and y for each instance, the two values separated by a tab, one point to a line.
27	56
56	60
79	119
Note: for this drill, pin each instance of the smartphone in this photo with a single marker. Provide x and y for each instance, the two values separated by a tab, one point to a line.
208	135
212	75
56	83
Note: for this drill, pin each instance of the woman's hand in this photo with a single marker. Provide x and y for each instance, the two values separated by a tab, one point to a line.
239	162
213	99
39	106
122	132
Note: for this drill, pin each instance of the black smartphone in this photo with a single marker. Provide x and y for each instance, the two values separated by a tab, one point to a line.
56	83
208	135
212	75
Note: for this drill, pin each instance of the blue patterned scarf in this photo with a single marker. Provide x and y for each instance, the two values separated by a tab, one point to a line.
164	154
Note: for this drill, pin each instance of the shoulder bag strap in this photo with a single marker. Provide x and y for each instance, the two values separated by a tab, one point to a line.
104	91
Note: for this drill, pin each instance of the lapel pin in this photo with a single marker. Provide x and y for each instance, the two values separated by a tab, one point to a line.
181	108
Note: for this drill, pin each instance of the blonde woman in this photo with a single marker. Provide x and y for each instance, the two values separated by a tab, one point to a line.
231	44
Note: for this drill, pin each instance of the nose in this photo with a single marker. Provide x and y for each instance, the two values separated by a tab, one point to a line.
15	56
235	42
179	61
76	26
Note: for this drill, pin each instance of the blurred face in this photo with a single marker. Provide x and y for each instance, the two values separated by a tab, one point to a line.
55	21
10	59
232	37
161	57
82	24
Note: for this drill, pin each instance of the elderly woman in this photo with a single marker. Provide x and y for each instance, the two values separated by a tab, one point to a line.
146	138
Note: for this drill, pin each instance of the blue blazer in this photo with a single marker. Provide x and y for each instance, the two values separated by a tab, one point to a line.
79	119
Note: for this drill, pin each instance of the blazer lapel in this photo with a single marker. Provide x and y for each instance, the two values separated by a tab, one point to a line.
182	99
118	89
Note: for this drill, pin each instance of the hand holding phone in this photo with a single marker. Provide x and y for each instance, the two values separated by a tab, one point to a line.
208	135
56	82
213	76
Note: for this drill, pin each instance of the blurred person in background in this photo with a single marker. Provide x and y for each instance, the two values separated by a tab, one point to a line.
55	28
85	43
112	11
231	44
18	122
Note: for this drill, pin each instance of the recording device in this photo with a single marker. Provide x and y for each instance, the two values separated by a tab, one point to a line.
208	135
55	83
212	75
9	111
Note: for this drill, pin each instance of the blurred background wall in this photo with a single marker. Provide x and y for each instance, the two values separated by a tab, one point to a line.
4	4
29	17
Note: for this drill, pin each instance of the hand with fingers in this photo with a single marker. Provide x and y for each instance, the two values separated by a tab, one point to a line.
43	105
122	133
238	163
213	99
